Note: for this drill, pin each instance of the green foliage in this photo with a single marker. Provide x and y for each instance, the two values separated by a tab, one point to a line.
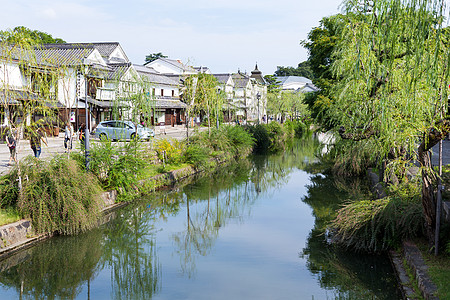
277	136
9	215
9	192
154	56
197	156
118	167
261	136
170	151
303	69
58	196
35	36
379	224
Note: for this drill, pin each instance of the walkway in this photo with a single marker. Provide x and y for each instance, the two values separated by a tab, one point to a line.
56	145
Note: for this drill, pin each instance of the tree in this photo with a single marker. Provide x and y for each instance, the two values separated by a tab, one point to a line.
154	56
392	62
21	33
320	44
303	69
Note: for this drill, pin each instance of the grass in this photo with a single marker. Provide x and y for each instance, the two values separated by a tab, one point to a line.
438	270
9	215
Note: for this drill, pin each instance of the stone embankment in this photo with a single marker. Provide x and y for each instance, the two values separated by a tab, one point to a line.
410	254
20	235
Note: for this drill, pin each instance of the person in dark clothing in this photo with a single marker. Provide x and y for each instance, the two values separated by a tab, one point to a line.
11	142
35	142
82	134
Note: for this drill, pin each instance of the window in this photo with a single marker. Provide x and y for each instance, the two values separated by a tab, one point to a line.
173	93
162	92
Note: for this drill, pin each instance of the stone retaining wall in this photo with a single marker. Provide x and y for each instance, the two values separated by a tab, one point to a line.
20	235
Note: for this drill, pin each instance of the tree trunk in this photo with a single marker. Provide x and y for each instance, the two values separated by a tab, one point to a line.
428	198
431	138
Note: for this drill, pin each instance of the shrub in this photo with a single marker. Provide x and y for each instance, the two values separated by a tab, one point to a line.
58	195
118	167
198	156
277	137
9	191
170	151
261	138
241	140
378	225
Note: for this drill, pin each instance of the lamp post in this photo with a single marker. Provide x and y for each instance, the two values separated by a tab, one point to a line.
258	96
86	108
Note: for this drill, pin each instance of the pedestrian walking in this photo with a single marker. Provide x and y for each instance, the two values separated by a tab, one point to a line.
35	142
82	134
11	142
68	137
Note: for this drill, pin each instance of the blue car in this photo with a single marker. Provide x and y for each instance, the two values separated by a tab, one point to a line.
122	130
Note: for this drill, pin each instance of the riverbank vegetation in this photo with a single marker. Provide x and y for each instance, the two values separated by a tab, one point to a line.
383	71
60	196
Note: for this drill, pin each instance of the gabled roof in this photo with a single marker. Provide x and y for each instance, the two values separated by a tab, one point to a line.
222	78
117	71
150	75
240	80
105	49
291	79
173	62
62	56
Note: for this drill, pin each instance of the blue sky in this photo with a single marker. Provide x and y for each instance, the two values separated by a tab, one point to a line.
222	35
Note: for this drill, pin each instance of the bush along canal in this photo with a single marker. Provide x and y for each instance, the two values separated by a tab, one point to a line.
252	230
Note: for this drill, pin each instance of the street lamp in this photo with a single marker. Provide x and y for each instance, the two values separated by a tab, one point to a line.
258	96
86	108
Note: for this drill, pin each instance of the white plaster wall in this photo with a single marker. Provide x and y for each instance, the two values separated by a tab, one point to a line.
11	76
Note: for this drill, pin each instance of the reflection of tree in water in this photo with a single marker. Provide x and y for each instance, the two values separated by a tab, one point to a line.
210	202
57	268
130	252
229	194
349	275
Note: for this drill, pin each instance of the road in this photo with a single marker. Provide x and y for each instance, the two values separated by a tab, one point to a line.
56	145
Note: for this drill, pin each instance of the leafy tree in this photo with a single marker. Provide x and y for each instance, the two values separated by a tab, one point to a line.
20	33
154	56
303	69
392	62
320	44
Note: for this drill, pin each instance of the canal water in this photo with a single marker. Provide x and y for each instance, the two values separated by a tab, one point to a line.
252	230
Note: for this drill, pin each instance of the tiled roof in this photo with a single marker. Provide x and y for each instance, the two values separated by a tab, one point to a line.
240	80
222	78
151	76
105	49
168	104
116	71
290	79
61	56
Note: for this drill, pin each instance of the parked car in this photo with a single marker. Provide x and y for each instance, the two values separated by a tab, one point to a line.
122	130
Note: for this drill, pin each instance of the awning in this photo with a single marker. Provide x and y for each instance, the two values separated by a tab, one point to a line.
102	104
15	97
168	104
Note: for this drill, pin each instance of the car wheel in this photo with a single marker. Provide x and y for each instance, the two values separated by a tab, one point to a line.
133	136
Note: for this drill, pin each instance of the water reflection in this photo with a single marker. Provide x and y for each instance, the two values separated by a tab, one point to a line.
54	269
127	257
350	275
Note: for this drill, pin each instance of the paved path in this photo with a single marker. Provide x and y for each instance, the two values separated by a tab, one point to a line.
56	145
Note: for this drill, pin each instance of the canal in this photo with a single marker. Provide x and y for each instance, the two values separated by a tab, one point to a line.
252	230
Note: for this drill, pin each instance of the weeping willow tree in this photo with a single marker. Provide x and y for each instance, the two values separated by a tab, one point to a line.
28	87
392	61
203	97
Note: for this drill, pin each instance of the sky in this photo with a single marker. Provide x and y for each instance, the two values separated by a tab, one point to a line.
224	35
